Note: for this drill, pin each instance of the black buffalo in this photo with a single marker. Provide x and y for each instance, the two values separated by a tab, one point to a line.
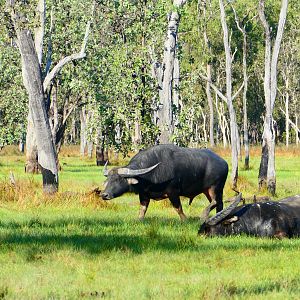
266	219
169	171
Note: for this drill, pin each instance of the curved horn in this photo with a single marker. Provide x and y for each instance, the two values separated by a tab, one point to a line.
130	172
225	212
105	170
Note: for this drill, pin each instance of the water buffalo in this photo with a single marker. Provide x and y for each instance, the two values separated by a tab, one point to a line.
266	219
169	171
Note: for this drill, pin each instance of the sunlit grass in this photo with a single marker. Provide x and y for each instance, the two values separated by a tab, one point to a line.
76	246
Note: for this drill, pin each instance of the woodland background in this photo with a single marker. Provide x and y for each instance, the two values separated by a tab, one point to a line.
111	95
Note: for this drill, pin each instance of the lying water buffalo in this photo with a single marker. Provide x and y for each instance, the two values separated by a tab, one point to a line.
169	171
267	219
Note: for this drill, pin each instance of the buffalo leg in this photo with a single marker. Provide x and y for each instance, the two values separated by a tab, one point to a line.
219	199
175	200
211	196
144	203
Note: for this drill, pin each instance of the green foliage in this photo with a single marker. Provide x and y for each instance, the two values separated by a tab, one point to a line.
13	99
115	79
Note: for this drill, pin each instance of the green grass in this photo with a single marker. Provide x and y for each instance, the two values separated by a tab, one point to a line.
74	246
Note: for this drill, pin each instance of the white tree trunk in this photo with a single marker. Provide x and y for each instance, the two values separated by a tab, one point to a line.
40	30
233	125
165	113
222	121
33	82
83	130
287	115
31	154
211	106
208	88
296	131
31	165
267	174
245	76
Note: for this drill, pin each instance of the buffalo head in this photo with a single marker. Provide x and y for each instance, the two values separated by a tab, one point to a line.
119	180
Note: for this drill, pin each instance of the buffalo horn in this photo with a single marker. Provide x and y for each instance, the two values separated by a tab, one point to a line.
130	172
225	212
105	170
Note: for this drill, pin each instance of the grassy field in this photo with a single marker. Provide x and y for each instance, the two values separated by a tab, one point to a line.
75	246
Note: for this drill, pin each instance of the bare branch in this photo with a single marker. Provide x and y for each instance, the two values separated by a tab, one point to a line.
59	66
86	36
276	48
238	91
237	21
49	51
70	110
290	121
40	30
179	2
50	76
214	87
233	55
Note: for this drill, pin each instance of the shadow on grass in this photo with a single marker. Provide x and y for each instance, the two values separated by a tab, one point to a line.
291	286
104	235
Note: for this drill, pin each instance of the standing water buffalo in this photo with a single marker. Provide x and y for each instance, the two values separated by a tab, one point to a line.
169	171
267	219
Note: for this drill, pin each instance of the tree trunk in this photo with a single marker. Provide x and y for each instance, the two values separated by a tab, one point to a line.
222	120
245	76
287	115
83	133
31	165
211	107
270	90
22	143
233	125
34	85
101	155
137	135
165	113
208	88
296	131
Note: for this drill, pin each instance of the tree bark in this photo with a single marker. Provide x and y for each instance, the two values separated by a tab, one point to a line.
33	82
287	114
209	76
296	131
31	165
165	113
101	150
83	133
267	174
233	125
245	76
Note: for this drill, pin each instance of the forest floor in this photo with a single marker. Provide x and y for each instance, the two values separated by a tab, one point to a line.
76	246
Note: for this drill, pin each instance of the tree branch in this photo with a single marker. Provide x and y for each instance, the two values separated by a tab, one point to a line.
40	30
70	110
238	91
233	55
290	121
49	51
50	76
214	87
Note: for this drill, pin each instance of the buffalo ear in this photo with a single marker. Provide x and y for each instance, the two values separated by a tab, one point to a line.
231	220
132	181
